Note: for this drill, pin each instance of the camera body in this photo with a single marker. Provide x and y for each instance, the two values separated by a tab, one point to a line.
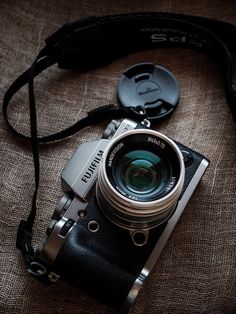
120	206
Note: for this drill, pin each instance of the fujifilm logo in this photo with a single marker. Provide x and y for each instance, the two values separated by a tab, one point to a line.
92	167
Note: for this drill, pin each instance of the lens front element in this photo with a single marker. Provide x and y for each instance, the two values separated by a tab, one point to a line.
140	179
142	172
140	175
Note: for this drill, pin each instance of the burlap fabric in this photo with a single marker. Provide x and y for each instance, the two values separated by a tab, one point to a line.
196	272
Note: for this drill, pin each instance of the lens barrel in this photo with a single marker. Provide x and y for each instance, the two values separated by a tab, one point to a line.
140	179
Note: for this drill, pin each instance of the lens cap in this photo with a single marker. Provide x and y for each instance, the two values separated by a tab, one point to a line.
150	88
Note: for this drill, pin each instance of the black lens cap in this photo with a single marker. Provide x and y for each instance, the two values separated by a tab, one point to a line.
151	88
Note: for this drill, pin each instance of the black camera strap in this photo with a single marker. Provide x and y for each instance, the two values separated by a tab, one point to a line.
94	41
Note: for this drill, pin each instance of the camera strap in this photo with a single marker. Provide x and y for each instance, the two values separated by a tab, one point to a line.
94	41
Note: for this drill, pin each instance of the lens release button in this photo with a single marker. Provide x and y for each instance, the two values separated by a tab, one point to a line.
188	158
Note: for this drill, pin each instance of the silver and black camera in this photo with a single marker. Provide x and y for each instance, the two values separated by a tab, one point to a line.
123	196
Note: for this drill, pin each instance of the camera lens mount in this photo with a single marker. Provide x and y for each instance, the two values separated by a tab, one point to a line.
140	179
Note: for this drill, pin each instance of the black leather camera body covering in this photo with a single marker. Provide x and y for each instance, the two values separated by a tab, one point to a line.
105	264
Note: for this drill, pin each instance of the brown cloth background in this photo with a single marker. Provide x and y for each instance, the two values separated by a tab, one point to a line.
196	272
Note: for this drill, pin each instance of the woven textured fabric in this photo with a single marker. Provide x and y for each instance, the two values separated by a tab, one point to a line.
196	271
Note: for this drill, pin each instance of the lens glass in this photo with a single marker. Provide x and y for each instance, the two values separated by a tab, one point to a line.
141	171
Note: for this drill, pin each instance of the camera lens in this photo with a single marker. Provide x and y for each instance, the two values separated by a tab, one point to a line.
140	179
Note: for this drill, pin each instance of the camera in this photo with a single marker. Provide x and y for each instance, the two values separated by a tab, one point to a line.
123	196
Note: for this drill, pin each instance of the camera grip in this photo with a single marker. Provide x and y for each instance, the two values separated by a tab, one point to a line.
104	264
92	272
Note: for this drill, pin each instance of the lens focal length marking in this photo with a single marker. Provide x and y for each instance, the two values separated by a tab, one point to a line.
157	142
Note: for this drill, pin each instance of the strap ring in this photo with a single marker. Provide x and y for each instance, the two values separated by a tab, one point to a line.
36	269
